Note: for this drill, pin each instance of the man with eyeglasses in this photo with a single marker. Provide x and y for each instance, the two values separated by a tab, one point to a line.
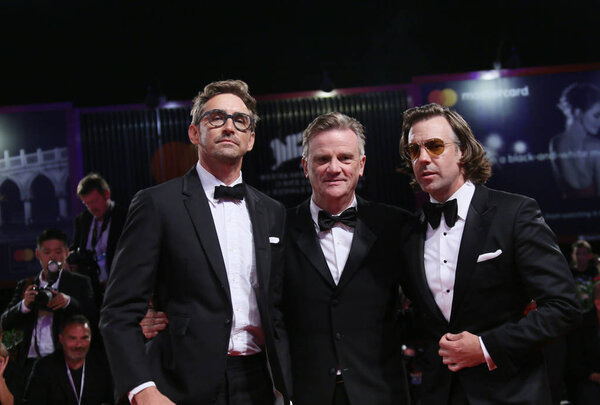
207	249
479	256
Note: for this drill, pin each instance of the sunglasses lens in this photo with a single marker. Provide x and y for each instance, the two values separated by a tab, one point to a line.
413	151
435	146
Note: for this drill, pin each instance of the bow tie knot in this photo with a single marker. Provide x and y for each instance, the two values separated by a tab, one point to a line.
433	213
236	192
327	221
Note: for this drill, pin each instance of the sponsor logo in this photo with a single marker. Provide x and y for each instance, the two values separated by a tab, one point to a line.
446	97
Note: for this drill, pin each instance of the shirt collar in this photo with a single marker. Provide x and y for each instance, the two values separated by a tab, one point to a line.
209	182
314	209
463	196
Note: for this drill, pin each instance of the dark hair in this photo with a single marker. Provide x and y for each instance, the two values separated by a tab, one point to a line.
75	320
91	182
333	120
51	234
235	87
476	166
582	244
578	96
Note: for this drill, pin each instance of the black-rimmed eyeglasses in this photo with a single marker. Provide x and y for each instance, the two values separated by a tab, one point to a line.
218	118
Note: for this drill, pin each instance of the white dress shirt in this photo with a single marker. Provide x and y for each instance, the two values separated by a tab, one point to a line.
234	230
335	243
441	255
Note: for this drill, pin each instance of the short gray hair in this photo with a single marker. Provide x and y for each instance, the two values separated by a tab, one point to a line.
333	120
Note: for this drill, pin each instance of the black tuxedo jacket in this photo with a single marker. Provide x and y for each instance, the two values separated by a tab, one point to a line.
490	297
49	382
75	285
169	249
81	231
353	325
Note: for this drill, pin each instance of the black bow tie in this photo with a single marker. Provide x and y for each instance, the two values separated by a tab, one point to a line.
433	213
326	220
236	192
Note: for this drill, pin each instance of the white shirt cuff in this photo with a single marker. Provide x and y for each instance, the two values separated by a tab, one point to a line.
488	359
24	308
139	388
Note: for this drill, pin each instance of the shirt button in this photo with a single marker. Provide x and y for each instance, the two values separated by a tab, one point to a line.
445	233
338	336
448	291
227	321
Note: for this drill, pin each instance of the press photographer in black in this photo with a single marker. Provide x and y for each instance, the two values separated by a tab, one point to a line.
40	303
96	232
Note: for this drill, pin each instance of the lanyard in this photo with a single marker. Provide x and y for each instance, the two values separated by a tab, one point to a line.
77	397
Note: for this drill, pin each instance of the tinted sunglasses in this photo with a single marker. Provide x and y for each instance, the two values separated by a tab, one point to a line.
434	147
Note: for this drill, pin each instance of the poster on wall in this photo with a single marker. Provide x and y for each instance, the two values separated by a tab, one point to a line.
542	134
36	190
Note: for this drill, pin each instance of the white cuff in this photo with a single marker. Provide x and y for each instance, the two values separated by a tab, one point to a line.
24	308
488	359
139	389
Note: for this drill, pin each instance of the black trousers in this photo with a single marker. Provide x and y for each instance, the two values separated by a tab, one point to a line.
247	381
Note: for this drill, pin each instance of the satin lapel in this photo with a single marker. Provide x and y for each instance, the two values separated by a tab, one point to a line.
304	233
417	247
474	236
197	207
260	234
362	241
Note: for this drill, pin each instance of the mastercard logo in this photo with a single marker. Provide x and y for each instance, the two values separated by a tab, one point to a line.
446	97
23	255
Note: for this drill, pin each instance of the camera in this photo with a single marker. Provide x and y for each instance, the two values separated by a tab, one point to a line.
85	262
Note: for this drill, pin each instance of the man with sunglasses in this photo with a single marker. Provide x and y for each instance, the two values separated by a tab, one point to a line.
206	248
479	256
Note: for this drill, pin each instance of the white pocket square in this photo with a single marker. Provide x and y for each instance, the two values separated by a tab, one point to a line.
273	239
489	256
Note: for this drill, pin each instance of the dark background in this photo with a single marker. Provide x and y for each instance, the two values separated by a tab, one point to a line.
96	53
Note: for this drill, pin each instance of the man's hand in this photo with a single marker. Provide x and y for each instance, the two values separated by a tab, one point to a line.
150	396
461	351
29	296
153	322
60	300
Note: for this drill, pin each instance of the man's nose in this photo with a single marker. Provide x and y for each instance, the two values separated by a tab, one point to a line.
334	166
424	156
229	126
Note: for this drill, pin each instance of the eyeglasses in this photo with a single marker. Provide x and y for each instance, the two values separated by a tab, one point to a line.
434	147
218	118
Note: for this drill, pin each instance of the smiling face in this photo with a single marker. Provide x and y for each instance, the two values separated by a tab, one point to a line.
75	340
441	175
333	165
226	144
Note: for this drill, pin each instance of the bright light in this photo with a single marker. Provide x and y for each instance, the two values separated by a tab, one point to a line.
520	147
493	142
489	75
326	94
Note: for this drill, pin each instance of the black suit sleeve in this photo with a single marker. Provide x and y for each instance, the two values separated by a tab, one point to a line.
128	292
13	318
543	270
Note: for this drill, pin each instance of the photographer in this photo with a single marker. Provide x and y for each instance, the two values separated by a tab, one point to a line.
41	303
96	231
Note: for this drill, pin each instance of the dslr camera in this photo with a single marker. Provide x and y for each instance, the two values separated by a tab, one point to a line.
85	262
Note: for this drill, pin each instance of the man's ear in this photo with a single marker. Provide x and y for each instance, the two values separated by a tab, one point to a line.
305	166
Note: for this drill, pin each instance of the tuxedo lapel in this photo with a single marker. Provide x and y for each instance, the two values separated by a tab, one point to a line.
304	233
197	207
474	236
260	234
362	241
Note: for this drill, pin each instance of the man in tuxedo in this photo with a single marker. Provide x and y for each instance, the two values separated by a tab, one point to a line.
479	256
97	229
341	282
66	294
208	249
73	375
